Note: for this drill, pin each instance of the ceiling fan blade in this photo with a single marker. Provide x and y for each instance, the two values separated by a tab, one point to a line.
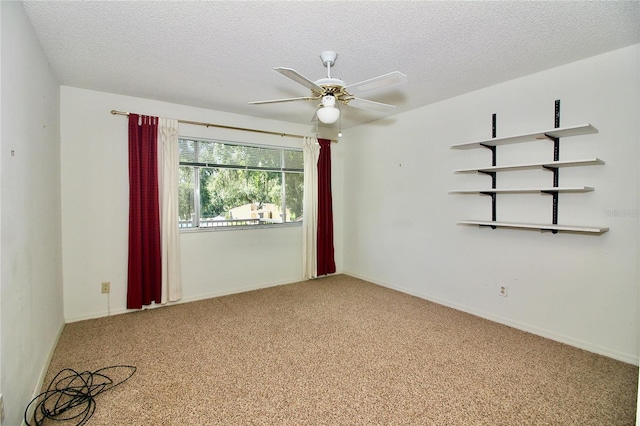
386	80
273	101
370	105
299	78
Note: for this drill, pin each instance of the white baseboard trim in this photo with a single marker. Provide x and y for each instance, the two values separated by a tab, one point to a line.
600	350
43	373
205	296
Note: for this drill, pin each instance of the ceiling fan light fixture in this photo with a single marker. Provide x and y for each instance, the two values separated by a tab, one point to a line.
328	113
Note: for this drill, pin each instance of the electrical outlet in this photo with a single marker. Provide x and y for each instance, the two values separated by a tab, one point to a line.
106	287
503	290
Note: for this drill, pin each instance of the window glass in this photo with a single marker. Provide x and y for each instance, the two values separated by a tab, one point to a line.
186	196
294	184
225	184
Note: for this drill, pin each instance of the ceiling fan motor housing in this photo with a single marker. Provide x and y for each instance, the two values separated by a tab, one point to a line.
330	82
333	87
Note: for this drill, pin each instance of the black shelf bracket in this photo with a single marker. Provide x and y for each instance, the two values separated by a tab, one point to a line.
556	147
554	212
556	157
493	152
554	170
494	158
492	194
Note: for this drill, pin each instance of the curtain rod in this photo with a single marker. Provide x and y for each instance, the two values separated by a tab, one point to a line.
200	123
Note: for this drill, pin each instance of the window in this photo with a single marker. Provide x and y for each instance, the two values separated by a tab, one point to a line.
225	184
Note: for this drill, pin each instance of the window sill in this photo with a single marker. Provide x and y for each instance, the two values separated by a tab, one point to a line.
240	227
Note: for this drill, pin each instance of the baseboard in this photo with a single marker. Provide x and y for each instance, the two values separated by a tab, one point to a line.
184	300
627	358
236	291
43	373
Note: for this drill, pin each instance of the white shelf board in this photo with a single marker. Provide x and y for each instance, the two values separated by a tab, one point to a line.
522	190
530	166
537	226
561	132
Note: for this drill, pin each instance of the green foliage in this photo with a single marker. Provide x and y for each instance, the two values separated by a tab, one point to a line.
225	189
294	184
185	193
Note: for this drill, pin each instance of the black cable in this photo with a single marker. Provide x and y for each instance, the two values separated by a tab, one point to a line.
71	395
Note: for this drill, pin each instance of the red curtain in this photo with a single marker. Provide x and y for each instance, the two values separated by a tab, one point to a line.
326	262
144	274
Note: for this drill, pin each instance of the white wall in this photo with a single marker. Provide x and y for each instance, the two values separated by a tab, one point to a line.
400	222
95	208
30	262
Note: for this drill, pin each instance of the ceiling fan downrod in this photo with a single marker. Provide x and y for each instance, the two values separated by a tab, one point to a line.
328	58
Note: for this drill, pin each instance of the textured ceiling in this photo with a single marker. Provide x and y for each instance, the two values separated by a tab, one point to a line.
221	54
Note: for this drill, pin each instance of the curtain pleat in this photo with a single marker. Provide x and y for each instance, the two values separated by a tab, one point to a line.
144	278
311	151
326	261
169	163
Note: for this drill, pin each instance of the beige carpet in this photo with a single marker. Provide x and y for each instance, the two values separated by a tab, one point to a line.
339	351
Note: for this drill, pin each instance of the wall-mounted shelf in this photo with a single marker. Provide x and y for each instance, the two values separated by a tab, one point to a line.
555	133
551	190
536	226
554	166
533	166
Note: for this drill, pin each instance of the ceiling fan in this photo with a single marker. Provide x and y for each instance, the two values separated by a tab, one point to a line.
332	90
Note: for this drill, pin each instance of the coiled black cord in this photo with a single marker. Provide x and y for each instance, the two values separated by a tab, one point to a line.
71	395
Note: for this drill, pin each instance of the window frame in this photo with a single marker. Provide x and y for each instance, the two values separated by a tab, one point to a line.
197	166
